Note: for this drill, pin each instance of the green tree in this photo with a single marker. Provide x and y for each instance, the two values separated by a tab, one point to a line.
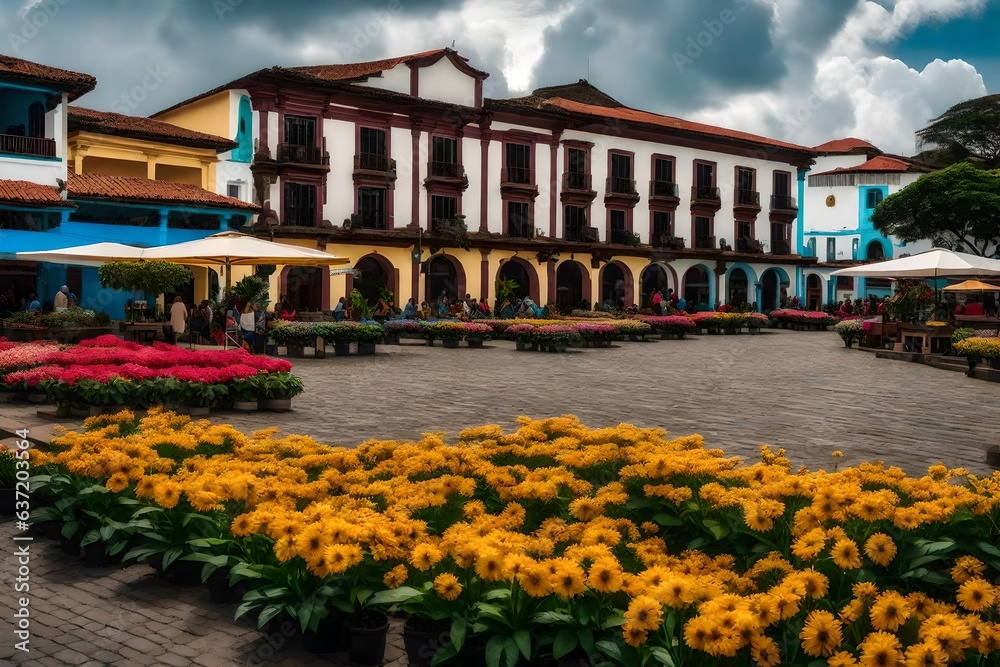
150	278
957	208
972	126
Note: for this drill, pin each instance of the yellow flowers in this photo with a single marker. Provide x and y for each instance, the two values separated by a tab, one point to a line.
748	562
821	634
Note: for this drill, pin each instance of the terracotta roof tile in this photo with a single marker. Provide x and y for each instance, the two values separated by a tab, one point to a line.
27	193
846	145
879	164
74	83
352	71
107	122
120	188
670	122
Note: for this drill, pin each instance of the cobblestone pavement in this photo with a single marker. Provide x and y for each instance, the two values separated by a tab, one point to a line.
796	390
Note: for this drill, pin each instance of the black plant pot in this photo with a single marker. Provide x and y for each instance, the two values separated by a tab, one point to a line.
473	653
328	638
186	572
219	589
422	640
366	640
70	547
450	342
366	348
96	555
341	348
7	498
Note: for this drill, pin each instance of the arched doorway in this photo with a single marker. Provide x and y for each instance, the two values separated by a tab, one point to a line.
814	292
569	286
521	273
738	288
304	287
653	277
773	286
442	278
696	287
375	277
613	286
874	252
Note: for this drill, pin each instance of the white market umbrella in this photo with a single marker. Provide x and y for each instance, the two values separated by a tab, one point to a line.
93	254
234	248
930	264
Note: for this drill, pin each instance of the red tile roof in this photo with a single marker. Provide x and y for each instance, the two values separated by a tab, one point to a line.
107	122
879	164
121	188
354	71
74	83
847	145
26	193
670	122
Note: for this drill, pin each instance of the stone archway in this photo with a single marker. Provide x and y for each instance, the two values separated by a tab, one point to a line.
444	275
653	277
773	285
572	285
814	292
617	288
376	273
697	288
523	274
739	288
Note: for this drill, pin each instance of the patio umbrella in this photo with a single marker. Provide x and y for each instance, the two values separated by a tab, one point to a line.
93	254
930	264
972	286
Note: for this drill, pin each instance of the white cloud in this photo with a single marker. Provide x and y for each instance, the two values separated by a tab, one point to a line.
853	90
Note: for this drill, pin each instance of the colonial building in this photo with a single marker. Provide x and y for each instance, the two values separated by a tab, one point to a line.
403	166
850	178
71	176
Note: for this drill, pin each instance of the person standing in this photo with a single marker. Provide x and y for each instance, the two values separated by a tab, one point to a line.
248	326
178	318
33	303
657	299
61	300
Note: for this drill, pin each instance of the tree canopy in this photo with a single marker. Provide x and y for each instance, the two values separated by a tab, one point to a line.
957	208
972	126
150	278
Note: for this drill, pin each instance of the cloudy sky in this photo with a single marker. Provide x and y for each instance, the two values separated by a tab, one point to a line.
800	70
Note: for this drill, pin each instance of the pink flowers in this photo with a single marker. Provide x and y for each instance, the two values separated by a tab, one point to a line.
675	321
108	357
798	315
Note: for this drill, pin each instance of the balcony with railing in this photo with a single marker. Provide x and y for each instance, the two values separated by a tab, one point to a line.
580	232
705	195
749	245
449	174
520	229
518	178
310	155
368	220
374	162
620	188
666	240
784	203
780	247
577	182
13	144
624	237
665	191
702	242
746	199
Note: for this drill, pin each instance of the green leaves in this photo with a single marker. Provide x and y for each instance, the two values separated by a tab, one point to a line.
150	278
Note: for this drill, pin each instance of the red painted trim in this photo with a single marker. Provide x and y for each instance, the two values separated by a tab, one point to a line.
587	208
711	226
414	80
607	219
262	138
415	283
484	278
586	284
459	276
415	177
578	143
529	269
673	224
516	198
553	187
484	181
629	281
479	94
550	275
391	272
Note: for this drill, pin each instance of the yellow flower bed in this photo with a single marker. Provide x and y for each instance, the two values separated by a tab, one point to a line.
618	541
986	348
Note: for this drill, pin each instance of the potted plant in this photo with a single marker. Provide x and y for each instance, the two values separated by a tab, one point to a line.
341	333
245	395
756	322
450	333
277	390
597	335
8	479
850	331
476	334
166	536
220	554
199	397
368	334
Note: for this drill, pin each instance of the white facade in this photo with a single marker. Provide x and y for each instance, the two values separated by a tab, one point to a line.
42	170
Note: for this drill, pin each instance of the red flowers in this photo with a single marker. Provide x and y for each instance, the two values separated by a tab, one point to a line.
107	357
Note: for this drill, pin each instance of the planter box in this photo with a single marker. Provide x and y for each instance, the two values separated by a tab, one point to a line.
450	342
296	350
246	406
74	335
281	350
19	335
276	404
475	343
366	348
341	348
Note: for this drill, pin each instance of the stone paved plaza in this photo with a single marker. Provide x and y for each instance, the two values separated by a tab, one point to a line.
802	391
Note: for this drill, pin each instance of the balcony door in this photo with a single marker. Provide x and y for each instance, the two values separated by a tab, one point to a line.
300	131
371	207
374	156
300	205
444	157
705	175
518	162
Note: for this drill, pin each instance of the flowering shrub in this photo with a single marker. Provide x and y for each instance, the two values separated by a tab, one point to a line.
983	348
636	548
632	328
850	331
284	332
671	324
475	331
811	317
446	330
758	320
402	326
109	371
597	332
732	320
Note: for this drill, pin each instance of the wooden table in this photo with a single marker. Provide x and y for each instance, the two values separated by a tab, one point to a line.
924	339
146	331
